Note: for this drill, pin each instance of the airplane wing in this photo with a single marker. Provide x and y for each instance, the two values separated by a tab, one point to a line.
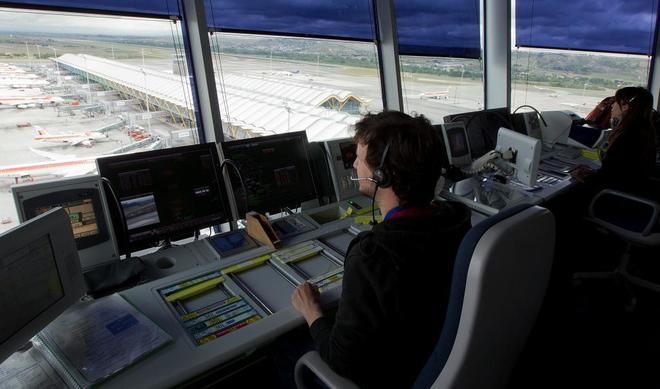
52	156
80	141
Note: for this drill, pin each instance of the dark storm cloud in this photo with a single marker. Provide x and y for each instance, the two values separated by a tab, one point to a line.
624	26
150	7
340	18
424	27
443	28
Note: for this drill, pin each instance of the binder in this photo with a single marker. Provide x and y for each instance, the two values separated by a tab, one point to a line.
94	340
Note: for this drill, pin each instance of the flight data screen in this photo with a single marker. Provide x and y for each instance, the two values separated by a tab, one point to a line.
275	169
81	215
30	285
457	142
348	154
167	193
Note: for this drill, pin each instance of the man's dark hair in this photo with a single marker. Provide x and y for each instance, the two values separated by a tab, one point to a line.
413	160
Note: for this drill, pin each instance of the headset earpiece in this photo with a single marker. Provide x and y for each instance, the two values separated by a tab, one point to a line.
380	177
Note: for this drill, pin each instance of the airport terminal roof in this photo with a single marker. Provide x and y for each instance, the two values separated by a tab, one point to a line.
257	105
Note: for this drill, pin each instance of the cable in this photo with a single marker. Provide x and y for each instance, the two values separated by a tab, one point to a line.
529	53
240	177
651	39
484	134
327	167
215	45
187	87
122	218
373	208
482	163
535	110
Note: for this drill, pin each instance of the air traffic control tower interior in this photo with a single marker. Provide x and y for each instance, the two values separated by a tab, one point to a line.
174	263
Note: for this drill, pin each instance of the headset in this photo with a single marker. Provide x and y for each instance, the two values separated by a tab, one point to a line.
379	176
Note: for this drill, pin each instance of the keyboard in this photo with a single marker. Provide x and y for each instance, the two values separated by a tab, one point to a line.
547	179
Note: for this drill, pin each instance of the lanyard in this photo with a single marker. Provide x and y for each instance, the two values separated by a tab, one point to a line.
417	211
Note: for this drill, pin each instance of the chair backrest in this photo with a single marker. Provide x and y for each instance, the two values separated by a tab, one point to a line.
633	218
499	281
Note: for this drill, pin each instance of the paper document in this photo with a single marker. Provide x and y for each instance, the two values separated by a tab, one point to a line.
26	369
102	337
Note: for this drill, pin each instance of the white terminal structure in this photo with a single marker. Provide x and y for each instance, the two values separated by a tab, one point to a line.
257	105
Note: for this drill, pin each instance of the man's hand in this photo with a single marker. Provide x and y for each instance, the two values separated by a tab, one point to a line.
305	299
581	172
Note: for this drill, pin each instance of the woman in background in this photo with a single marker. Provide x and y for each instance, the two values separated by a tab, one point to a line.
630	158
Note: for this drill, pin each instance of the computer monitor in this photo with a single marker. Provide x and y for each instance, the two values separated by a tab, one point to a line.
528	123
40	275
456	144
165	194
559	125
481	127
85	203
526	152
341	154
275	169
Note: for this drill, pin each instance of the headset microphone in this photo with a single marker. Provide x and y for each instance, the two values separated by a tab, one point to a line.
361	178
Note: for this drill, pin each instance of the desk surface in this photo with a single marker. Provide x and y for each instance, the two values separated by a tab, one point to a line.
183	360
486	196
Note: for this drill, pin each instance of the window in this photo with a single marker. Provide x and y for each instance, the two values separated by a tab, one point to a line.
436	87
99	85
441	70
552	80
271	84
560	64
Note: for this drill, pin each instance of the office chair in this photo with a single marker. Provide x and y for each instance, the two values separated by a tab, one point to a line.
498	284
633	219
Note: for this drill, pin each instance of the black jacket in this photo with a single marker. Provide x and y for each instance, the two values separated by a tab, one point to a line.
394	297
627	165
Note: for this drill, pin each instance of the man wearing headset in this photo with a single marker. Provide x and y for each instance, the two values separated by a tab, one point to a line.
396	276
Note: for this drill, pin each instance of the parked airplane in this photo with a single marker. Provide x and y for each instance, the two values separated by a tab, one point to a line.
26	98
73	138
62	165
435	95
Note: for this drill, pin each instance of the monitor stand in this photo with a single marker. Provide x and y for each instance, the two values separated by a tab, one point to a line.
166	244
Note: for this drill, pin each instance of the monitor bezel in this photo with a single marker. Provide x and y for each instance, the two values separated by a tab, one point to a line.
337	167
125	245
302	135
488	140
54	224
94	251
456	160
29	206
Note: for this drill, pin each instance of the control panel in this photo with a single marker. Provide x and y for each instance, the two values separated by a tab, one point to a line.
341	154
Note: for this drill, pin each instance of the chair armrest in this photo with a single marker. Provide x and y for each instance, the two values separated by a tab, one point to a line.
312	362
653	205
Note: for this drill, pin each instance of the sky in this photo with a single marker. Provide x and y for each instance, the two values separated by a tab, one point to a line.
608	25
418	24
12	21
